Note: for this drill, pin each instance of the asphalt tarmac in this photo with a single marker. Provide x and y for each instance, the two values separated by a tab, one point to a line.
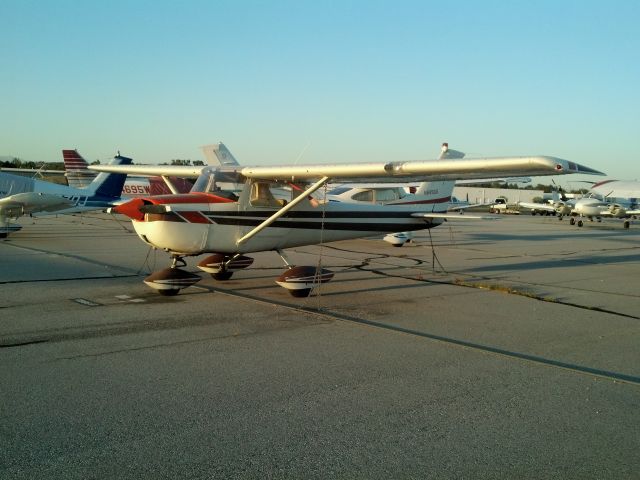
502	349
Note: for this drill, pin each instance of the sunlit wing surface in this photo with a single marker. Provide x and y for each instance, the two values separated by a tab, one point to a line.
152	170
381	172
537	206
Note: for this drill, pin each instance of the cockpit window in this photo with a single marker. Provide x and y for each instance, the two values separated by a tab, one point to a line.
366	196
262	194
217	183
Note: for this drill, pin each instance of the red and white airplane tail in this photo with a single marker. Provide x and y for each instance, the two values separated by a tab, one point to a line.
77	173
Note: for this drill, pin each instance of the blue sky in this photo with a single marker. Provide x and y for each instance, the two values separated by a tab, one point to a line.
313	81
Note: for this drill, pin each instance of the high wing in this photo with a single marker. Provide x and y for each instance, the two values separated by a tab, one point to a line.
380	172
32	202
547	207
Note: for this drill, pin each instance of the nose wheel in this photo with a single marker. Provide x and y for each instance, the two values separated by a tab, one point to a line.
221	267
169	281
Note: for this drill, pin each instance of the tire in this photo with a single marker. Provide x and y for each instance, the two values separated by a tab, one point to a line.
300	292
169	292
222	275
626	224
572	221
580	223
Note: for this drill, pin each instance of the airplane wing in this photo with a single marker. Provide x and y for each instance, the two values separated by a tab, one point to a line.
381	172
537	206
184	171
32	202
460	208
431	170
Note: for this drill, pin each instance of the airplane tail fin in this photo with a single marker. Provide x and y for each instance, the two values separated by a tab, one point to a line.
110	185
438	192
77	173
447	154
218	154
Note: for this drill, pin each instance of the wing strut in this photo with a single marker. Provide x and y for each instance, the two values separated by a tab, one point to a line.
283	210
171	186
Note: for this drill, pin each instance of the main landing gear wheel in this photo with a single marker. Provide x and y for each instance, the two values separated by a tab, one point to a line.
222	275
580	223
626	224
221	267
572	221
300	293
169	292
302	279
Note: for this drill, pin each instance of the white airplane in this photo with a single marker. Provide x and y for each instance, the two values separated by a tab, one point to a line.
396	194
210	220
610	198
26	196
559	205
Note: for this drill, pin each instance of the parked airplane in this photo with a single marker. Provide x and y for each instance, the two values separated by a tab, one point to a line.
208	220
439	193
25	196
610	198
79	176
559	205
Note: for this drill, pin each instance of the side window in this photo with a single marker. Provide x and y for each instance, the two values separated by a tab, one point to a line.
366	196
385	195
261	196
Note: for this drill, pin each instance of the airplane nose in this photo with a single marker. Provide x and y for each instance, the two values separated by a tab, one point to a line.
131	209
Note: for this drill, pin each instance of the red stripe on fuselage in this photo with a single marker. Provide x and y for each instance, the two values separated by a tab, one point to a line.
421	202
188	198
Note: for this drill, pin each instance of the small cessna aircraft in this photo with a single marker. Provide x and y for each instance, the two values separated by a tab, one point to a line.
211	220
25	196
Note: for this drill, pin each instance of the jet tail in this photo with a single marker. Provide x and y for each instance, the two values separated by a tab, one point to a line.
77	173
218	154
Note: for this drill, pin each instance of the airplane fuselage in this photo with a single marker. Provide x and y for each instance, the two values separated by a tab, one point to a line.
196	228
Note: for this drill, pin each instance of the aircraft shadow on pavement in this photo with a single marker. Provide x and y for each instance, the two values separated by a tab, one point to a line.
574	261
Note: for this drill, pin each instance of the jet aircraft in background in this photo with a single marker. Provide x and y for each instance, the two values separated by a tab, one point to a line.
26	196
210	220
